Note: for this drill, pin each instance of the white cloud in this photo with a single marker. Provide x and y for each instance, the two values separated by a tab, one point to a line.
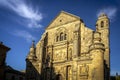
110	11
34	24
24	34
24	10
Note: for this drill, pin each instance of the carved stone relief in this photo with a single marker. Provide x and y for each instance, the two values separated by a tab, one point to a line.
84	71
59	55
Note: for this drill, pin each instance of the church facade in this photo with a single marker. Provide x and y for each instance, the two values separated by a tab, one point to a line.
68	50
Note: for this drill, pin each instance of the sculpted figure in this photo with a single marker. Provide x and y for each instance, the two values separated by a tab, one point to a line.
70	54
84	70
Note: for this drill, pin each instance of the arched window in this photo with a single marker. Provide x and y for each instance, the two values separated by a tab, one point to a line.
61	36
65	36
57	38
102	24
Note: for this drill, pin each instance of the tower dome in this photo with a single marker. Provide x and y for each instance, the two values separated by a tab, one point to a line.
102	15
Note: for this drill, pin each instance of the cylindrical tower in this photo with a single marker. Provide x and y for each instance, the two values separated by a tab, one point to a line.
97	52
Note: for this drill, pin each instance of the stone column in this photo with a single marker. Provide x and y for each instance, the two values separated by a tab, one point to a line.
41	54
74	73
76	42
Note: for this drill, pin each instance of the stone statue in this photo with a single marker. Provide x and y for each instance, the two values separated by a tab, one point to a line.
70	54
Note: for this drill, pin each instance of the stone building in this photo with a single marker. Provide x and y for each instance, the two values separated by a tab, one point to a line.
3	52
7	72
68	50
12	74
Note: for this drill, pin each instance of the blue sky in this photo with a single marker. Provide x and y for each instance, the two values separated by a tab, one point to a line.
22	21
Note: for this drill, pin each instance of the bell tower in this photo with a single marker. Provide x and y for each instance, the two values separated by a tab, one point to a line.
31	63
102	26
32	54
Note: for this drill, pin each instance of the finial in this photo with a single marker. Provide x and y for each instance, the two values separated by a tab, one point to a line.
33	41
33	44
102	14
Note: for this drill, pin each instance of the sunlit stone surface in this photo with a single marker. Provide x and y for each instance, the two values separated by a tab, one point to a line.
68	50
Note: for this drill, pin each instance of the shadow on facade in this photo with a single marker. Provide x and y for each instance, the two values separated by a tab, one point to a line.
47	73
47	70
31	71
106	71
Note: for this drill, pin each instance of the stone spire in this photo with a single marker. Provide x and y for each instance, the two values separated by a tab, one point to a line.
32	53
33	44
32	48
